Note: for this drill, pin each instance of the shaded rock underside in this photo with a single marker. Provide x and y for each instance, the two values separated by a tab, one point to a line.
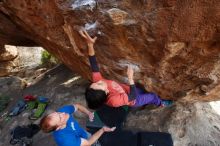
173	45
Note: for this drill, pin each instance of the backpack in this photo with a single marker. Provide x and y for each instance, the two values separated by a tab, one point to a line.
22	135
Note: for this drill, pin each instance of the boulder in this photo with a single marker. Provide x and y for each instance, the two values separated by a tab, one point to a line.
20	60
189	124
173	45
10	53
6	68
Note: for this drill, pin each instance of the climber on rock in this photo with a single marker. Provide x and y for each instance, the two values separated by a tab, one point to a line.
67	131
111	93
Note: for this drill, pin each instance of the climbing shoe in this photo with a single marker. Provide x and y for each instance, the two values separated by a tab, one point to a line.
31	102
18	108
42	103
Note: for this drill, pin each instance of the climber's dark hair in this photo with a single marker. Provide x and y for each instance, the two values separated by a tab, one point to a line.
95	98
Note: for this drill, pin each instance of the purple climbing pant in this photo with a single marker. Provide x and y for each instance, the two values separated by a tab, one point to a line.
144	98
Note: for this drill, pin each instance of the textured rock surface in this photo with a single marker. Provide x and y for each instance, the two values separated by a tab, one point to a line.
12	33
189	124
10	53
174	45
8	84
6	68
19	59
6	59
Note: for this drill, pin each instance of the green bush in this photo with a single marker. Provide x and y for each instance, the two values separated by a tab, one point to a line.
47	59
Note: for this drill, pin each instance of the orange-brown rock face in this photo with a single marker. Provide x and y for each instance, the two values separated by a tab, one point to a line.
10	33
174	45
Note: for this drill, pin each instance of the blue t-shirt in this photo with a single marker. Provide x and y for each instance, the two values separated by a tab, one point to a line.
72	134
